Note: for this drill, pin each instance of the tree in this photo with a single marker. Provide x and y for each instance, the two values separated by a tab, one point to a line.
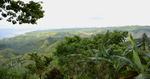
103	56
40	64
88	58
21	12
145	42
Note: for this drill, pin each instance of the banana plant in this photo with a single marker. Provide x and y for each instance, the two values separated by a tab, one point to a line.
134	64
138	65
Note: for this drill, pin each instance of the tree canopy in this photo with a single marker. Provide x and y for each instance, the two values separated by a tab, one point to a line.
18	12
112	55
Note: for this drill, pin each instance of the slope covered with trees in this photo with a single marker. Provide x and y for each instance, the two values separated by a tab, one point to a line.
109	55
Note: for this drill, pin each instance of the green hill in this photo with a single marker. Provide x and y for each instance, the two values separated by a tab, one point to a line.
90	52
37	41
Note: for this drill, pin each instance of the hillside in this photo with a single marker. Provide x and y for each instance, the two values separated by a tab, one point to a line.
92	53
38	40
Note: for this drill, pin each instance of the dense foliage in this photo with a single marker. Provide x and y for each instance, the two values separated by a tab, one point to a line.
17	11
111	55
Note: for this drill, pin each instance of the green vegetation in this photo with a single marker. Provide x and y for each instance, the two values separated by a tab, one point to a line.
16	11
70	55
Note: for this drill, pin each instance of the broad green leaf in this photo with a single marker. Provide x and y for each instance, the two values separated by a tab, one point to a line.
137	61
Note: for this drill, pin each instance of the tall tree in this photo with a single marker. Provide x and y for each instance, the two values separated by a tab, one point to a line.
144	42
17	11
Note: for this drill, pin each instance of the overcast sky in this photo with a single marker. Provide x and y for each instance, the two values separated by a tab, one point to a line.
90	13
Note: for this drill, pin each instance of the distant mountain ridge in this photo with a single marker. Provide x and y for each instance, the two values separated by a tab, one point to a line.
5	33
135	30
10	32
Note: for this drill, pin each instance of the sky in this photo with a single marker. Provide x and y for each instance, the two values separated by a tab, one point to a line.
88	13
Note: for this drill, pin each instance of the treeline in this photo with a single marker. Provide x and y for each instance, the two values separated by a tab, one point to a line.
112	55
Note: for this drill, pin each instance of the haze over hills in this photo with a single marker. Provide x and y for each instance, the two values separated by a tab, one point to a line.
10	32
135	30
7	33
